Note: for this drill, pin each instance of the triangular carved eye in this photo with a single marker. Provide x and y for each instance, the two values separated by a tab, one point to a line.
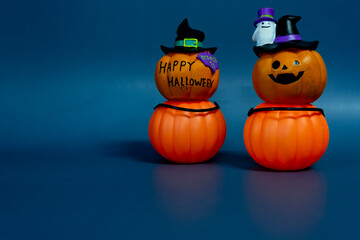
276	64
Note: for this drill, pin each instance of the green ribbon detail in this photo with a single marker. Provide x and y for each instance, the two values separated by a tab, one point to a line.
188	42
266	16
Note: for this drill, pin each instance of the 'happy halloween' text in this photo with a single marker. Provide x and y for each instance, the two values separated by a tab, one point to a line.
203	82
183	81
182	64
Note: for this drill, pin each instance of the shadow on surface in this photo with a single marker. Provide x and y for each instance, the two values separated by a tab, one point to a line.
241	160
237	159
139	150
297	199
142	150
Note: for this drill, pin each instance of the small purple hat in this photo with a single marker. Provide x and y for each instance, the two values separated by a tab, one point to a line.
265	14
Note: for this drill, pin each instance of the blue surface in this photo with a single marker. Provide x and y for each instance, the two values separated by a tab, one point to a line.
77	92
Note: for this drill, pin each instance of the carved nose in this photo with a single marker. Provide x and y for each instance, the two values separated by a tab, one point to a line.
284	67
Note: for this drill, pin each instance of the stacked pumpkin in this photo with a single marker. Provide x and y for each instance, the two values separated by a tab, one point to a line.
287	132
187	128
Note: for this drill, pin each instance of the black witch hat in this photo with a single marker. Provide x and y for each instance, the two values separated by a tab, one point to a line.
287	36
188	40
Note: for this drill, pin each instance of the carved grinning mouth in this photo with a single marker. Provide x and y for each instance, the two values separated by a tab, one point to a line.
286	78
265	26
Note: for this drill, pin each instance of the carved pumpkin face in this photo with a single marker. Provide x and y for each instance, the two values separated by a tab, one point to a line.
290	76
183	76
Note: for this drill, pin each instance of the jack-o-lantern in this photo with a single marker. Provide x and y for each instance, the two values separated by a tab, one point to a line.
188	71
290	76
187	131
287	132
286	139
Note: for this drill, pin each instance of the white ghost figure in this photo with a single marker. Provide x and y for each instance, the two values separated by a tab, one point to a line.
264	33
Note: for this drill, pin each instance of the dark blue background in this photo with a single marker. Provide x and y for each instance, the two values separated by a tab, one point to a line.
76	95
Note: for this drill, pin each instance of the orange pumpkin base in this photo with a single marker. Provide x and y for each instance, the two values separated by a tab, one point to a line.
286	140
184	136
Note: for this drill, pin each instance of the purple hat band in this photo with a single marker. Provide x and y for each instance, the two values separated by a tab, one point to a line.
287	38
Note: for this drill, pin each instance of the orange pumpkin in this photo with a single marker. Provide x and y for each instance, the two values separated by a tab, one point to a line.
290	76
181	76
187	137
286	140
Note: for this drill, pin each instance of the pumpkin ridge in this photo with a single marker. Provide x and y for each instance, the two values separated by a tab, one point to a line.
326	133
172	112
263	141
216	140
218	144
207	149
247	135
296	159
152	128
251	136
301	158
277	159
319	83
210	132
162	150
323	70
196	115
323	144
190	136
313	132
259	118
323	133
204	115
320	134
223	128
176	155
261	133
293	118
